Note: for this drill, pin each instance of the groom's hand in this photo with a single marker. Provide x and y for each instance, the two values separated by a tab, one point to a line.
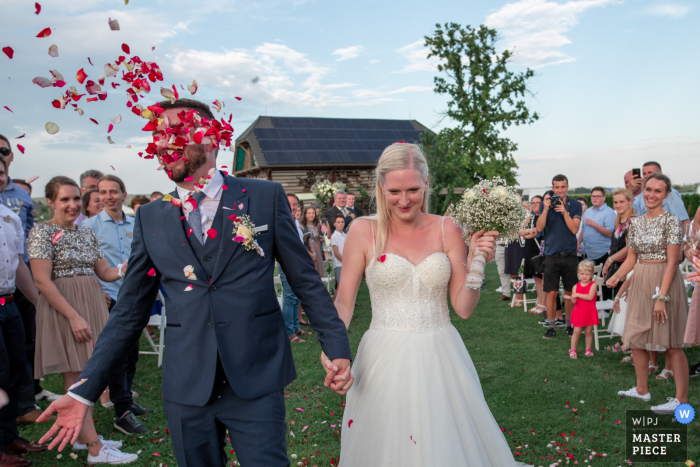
71	414
338	376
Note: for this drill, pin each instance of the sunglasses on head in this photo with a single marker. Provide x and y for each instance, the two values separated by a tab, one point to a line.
5	152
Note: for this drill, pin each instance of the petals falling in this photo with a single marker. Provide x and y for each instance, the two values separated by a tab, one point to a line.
94	121
53	50
38	8
9	51
81	75
57	236
126	49
44	33
192	88
110	128
152	272
21	148
7	108
116	119
114	25
51	128
43	82
109	138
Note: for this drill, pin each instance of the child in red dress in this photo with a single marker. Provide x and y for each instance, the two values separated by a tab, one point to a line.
585	313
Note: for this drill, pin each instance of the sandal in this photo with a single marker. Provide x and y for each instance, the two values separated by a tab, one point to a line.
573	354
539	309
301	332
517	303
588	353
664	375
295	339
653	368
628	359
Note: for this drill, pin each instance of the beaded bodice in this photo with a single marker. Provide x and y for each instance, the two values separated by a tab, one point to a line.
650	237
407	297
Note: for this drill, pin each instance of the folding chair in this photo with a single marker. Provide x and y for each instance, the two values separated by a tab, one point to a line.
329	279
604	307
158	321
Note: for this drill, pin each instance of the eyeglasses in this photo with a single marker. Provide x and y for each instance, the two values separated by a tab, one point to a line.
597	196
5	152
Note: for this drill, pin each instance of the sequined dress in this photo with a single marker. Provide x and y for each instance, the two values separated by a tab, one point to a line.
73	255
649	239
417	399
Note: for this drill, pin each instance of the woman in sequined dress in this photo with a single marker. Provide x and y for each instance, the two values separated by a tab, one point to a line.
71	310
657	305
416	399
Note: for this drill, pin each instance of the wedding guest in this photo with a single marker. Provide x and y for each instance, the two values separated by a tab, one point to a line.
312	237
598	223
673	203
23	185
561	216
350	205
156	195
20	202
114	230
14	275
88	182
339	207
657	309
91	204
579	236
297	214
514	255
532	248
138	201
337	244
692	330
633	183
558	315
584	315
622	203
71	310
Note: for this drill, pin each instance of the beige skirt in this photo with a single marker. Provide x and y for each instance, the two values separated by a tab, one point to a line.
57	350
692	331
641	332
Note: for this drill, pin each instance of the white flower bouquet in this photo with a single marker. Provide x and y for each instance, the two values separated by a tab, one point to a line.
324	191
490	205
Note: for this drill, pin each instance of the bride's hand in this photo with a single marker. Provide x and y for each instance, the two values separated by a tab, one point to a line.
485	242
338	376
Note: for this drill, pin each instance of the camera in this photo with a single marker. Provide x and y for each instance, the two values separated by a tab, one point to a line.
555	200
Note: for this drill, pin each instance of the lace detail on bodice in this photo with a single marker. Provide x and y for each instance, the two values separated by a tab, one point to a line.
409	298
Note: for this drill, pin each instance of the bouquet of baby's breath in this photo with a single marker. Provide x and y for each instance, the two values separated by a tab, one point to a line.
324	191
490	205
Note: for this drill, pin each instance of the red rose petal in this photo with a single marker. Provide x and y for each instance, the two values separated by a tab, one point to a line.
224	187
350	422
126	49
38	8
44	33
382	258
90	61
6	107
57	236
110	128
94	121
20	137
2	301
81	75
21	148
152	272
244	190
212	233
189	231
239	98
9	51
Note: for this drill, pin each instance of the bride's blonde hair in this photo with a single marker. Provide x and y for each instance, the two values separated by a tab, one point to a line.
398	156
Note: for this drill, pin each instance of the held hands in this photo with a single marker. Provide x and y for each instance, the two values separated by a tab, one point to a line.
71	414
613	281
338	376
80	328
660	315
695	275
485	242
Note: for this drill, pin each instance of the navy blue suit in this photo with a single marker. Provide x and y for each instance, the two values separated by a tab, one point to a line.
227	355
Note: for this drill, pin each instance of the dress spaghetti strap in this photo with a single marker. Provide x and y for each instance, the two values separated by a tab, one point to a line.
444	247
374	248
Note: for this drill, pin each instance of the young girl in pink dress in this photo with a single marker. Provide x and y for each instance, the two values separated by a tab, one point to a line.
584	314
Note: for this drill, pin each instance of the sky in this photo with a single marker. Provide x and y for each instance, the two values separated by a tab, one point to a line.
615	80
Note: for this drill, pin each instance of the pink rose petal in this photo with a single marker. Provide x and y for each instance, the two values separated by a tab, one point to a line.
113	24
212	233
38	8
152	272
57	236
53	50
21	148
46	32
9	51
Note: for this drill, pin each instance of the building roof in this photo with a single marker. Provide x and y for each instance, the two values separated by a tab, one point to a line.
294	141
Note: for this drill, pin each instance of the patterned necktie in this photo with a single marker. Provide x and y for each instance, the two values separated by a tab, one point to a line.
195	217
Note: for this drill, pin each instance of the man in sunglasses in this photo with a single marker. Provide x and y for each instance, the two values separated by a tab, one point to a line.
18	200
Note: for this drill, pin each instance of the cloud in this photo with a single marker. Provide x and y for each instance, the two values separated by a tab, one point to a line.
672	10
373	61
536	28
374	94
417	56
348	52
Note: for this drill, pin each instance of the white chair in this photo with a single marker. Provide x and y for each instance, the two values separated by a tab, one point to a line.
604	307
158	321
329	278
279	289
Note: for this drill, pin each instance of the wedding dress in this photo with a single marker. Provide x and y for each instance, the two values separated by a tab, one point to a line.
417	399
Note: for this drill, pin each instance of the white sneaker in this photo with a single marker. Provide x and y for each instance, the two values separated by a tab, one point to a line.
500	289
45	395
633	393
112	456
106	443
667	408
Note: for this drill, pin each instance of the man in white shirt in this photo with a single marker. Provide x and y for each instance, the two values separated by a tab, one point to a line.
337	244
13	359
88	182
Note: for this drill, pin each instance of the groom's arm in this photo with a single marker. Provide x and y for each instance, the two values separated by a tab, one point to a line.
306	284
126	321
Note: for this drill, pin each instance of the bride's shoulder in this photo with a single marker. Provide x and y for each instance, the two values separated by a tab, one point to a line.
453	232
362	227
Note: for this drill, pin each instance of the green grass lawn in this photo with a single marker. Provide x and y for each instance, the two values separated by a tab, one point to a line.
537	394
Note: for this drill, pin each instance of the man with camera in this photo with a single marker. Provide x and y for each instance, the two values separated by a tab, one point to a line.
560	216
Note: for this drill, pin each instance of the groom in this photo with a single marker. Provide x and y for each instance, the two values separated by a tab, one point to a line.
227	358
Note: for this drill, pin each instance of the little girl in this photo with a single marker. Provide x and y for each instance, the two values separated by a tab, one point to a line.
584	314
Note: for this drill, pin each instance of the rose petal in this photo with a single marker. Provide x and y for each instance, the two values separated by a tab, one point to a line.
192	88
20	137
238	238
109	138
116	119
6	107
9	51
239	98
110	128
94	121
57	236
152	272
81	75
21	148
93	88
38	8
212	233
44	33
350	422
80	111
113	24
189	231
53	50
43	82
126	49
58	77
382	258
189	288
51	128
189	179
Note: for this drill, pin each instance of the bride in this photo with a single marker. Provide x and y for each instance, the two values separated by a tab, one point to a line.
417	399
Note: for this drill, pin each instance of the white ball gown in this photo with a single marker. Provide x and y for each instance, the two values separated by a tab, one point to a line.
417	399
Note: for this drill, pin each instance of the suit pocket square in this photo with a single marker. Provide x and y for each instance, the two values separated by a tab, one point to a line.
262	228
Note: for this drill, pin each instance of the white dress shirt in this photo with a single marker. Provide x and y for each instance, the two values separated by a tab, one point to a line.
11	248
213	191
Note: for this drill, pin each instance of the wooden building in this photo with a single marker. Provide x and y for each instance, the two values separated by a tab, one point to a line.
298	151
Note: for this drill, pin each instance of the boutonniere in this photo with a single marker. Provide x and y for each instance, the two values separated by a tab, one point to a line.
244	232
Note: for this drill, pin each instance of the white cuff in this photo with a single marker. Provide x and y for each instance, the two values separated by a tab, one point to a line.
81	399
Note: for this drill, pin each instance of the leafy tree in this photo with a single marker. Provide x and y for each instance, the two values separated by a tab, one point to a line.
485	99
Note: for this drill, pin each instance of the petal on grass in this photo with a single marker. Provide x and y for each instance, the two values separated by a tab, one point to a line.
51	128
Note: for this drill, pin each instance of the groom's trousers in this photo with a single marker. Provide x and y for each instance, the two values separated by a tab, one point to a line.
257	429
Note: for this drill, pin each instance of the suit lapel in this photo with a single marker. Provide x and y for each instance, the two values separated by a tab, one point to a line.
172	224
235	201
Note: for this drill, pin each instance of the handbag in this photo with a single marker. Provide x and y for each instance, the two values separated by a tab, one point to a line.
538	264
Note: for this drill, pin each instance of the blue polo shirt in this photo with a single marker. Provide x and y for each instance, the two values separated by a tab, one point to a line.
115	242
26	213
558	237
673	204
595	243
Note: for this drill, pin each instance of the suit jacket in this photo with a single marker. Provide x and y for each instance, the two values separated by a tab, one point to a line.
330	216
357	211
232	312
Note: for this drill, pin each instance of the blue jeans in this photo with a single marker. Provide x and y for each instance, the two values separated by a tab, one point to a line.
290	307
13	366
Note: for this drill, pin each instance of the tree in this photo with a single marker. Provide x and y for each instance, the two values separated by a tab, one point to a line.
485	99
